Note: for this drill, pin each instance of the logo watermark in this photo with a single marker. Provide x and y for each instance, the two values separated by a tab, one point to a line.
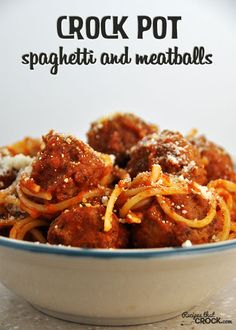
203	318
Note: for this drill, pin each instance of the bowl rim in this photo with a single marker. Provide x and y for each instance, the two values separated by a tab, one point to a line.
116	253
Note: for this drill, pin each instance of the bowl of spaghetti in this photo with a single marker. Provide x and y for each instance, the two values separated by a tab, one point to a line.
128	228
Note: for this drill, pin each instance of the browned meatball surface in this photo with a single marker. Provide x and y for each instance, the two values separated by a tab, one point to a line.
158	230
195	207
117	134
218	163
84	227
174	153
66	166
155	230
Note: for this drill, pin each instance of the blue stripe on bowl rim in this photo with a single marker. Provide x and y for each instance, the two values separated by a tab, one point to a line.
116	253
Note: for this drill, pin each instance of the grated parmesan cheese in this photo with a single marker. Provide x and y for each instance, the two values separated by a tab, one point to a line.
17	162
189	167
187	243
105	200
172	159
206	193
113	158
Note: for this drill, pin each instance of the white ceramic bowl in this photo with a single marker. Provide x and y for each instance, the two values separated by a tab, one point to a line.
115	287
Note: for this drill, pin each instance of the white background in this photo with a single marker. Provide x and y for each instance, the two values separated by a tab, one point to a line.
175	97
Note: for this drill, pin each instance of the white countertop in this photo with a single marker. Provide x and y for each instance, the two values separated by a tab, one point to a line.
17	314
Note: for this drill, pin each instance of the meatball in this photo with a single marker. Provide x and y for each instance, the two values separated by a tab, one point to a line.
117	134
83	226
174	153
158	230
218	163
67	166
155	230
195	207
